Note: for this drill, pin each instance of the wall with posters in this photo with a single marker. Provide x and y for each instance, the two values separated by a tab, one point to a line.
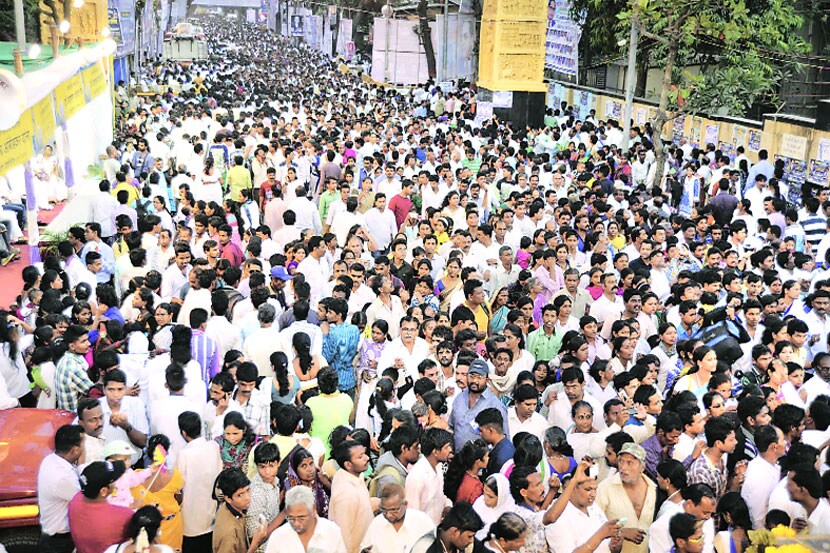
407	62
804	149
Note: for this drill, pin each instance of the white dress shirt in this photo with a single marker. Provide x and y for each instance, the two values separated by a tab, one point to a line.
316	275
425	490
659	540
326	537
759	483
307	215
536	424
199	463
57	484
382	226
382	536
574	528
164	419
136	414
225	335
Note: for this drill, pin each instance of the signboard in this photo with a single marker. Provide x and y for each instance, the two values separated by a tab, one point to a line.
297	25
43	114
95	83
70	97
562	38
503	99
16	144
793	146
824	149
114	23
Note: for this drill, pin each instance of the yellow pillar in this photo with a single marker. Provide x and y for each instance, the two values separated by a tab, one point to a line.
512	45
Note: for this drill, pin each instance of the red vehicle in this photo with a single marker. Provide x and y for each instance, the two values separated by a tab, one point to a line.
26	437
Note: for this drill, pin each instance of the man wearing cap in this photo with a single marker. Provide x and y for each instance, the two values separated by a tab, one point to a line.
474	399
90	509
631	495
279	276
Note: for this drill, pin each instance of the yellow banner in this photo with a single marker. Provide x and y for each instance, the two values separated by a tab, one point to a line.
95	83
70	97
16	144
44	120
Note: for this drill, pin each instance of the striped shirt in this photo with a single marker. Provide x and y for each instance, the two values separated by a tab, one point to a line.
71	381
814	229
203	351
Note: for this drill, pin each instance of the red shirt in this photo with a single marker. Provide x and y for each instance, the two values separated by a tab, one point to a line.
400	207
96	525
266	193
469	490
232	253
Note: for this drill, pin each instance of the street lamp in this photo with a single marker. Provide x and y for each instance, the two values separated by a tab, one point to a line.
34	51
64	27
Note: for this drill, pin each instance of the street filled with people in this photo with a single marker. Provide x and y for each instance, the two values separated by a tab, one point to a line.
312	313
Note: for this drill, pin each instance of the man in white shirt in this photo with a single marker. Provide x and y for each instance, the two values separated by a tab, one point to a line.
425	480
57	484
763	472
225	335
165	412
125	417
698	500
308	217
305	527
380	222
398	527
522	417
221	403
609	303
199	463
583	523
314	268
805	488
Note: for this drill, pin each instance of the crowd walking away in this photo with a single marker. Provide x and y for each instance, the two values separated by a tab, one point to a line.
310	313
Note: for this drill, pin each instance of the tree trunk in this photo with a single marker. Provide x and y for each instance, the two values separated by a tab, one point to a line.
426	37
662	114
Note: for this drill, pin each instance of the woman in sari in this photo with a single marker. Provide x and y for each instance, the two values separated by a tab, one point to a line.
303	472
163	489
47	179
450	282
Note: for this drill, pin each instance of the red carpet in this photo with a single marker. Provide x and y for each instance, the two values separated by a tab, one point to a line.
11	280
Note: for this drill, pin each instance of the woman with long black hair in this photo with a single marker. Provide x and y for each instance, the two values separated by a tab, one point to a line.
12	368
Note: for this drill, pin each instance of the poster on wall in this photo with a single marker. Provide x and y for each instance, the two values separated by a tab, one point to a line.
640	117
824	149
727	149
819	172
297	25
677	129
754	142
613	109
711	136
695	131
562	38
793	146
503	99
795	170
739	134
484	111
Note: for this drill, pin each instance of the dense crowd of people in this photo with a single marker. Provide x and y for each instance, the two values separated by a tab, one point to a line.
310	313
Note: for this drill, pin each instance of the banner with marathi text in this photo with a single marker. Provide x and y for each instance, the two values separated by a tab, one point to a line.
16	144
69	97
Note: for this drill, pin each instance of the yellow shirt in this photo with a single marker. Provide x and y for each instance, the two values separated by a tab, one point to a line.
351	508
131	190
614	502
